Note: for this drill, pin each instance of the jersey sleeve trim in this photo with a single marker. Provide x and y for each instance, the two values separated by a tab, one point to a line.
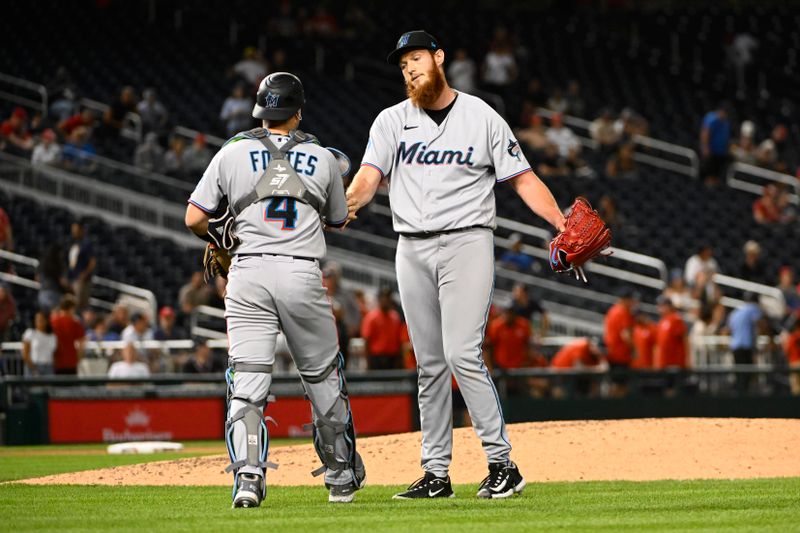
514	175
202	207
336	224
376	167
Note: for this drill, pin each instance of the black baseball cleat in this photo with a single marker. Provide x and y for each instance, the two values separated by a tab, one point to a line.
428	486
504	480
249	491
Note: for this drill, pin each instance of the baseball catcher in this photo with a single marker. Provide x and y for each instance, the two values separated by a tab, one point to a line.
585	237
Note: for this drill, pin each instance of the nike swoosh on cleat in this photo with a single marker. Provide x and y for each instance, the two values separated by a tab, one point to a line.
410	127
432	494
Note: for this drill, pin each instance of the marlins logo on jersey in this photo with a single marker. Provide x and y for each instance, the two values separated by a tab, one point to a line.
513	149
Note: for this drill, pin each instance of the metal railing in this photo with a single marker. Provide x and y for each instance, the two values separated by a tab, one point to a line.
147	297
687	163
116	205
762	174
10	83
189	133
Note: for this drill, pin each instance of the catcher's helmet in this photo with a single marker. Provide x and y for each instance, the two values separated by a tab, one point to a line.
279	97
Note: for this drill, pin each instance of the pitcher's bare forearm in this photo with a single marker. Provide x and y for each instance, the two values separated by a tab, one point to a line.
362	189
538	197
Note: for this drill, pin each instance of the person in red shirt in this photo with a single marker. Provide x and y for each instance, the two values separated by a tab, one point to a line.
6	233
85	118
382	330
672	341
8	310
619	339
15	131
509	337
792	348
644	341
70	336
580	353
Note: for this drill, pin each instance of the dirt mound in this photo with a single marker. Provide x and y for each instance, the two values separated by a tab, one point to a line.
672	448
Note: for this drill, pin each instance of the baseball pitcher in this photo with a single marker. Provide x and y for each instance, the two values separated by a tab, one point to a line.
443	152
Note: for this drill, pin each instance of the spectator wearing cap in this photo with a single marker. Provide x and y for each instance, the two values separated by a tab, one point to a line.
47	151
744	149
252	68
618	336
202	361
752	267
744	324
167	330
197	157
514	258
382	329
644	341
14	132
70	336
672	340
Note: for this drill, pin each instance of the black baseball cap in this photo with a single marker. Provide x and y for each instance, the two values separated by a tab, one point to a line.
412	40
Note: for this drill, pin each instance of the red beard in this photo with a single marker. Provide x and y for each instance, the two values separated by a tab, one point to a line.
425	94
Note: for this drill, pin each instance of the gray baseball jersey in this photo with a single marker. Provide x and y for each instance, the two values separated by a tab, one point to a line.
282	226
442	177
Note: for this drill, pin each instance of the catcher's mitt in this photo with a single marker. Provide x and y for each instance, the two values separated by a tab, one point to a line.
585	236
216	262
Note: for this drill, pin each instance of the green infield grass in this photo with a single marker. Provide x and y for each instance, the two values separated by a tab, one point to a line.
754	505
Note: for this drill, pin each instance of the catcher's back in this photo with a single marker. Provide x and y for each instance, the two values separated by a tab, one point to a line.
279	225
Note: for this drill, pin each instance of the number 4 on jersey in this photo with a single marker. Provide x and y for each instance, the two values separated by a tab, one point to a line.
284	210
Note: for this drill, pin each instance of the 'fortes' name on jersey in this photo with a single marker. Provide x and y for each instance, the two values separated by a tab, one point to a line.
416	153
301	162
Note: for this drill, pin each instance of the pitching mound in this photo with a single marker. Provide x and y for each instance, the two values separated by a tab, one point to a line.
672	448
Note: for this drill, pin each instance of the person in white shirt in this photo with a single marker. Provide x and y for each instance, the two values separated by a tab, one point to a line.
130	366
461	72
563	137
47	152
236	111
701	262
38	346
137	331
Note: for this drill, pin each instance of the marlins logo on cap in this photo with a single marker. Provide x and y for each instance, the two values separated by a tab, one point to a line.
272	100
403	40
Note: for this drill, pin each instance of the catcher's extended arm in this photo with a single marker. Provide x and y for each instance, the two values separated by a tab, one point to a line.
585	237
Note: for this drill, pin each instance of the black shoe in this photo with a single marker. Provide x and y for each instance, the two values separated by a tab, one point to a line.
504	480
249	491
428	486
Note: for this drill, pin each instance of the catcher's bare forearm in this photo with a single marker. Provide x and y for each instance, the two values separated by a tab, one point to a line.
538	197
362	189
196	220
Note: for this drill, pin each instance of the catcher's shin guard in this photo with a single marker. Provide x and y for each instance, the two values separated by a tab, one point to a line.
246	434
332	424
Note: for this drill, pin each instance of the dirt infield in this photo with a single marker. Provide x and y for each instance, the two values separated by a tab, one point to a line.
672	448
